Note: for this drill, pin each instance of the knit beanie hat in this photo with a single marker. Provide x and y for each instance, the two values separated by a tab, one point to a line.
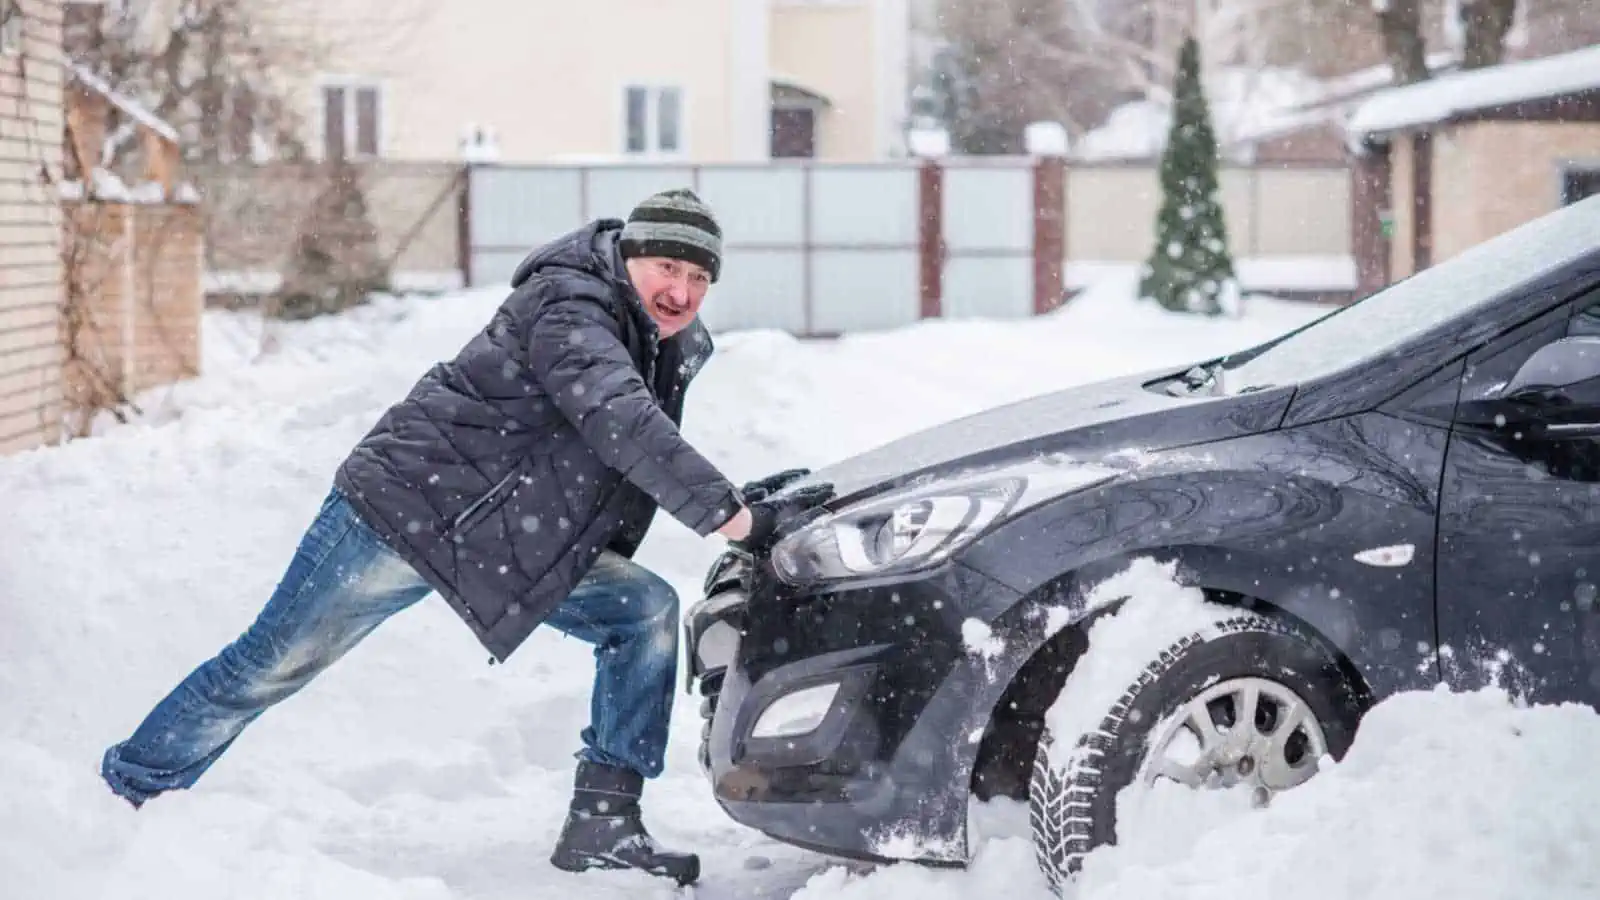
675	224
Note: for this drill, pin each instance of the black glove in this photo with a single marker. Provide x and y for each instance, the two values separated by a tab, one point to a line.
762	488
768	516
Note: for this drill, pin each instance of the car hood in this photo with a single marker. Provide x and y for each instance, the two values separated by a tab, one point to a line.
1087	422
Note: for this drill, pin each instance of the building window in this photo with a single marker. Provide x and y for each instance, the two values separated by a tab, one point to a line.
654	120
351	120
10	26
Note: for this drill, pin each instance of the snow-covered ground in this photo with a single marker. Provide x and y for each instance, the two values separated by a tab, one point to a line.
414	770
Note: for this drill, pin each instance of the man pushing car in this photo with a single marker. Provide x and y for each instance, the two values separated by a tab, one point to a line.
517	480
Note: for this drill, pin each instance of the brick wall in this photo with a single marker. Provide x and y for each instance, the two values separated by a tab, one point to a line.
30	229
168	264
132	319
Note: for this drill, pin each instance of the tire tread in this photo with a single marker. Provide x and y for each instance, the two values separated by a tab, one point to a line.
1065	781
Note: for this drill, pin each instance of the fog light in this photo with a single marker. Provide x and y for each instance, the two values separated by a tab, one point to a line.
796	713
717	647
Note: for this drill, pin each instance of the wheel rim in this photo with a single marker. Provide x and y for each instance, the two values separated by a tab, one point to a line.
1241	732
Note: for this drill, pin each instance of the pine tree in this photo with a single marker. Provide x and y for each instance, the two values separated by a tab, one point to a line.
1189	268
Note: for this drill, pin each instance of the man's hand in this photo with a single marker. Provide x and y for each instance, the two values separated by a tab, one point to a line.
738	527
762	488
768	515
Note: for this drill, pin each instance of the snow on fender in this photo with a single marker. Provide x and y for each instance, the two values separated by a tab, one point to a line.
1158	672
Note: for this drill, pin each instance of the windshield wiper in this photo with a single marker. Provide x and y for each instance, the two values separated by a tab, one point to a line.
1197	378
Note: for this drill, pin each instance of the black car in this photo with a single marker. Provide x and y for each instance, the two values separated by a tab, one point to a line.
1403	493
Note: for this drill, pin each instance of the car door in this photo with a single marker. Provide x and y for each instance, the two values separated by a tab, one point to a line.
1519	536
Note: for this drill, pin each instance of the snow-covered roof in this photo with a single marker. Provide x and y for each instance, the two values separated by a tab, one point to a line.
130	107
788	82
1439	99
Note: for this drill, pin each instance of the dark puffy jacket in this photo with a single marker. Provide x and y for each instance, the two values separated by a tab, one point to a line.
551	436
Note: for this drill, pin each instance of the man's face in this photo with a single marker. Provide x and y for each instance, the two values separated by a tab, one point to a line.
671	290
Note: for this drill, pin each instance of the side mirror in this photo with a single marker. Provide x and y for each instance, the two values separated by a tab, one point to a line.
1556	393
1556	367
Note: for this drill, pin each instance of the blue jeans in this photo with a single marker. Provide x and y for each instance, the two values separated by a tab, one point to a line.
342	582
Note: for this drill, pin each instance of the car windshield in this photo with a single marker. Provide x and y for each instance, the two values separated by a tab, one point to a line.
1403	311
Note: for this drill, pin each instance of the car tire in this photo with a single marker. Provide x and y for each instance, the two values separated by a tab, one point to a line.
1074	786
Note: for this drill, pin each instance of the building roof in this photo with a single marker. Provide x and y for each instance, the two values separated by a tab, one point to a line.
1448	97
789	88
129	107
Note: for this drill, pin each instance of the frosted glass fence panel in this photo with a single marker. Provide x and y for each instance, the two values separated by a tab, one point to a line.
988	287
865	205
863	290
494	267
988	232
513	210
615	191
758	289
759	206
988	209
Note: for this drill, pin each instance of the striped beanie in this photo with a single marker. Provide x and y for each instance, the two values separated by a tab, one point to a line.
675	224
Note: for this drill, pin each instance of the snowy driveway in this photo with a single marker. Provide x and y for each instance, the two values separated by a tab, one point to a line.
414	770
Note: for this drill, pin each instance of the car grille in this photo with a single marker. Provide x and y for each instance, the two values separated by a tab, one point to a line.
710	689
729	576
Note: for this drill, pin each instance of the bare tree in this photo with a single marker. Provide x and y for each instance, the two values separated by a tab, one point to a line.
1319	37
1472	33
1400	23
1073	61
1000	69
229	75
1541	27
1489	32
1484	27
1009	62
214	73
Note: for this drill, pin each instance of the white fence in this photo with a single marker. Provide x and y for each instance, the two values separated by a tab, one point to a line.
827	248
806	249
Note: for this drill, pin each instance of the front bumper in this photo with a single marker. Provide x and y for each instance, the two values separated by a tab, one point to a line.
827	721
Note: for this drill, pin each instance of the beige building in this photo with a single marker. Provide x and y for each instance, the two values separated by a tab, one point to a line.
612	80
31	90
1453	161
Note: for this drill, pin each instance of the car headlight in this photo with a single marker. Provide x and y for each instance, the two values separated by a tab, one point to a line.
885	537
922	526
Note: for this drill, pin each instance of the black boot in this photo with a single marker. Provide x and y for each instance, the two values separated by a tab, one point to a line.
604	829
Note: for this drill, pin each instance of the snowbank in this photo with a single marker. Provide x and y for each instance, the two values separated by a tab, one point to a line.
414	771
1442	797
